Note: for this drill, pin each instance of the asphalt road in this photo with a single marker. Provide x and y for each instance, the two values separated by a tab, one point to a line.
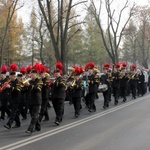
122	127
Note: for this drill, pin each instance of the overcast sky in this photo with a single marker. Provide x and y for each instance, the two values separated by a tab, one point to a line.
26	10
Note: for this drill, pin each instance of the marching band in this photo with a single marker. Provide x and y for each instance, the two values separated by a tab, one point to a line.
33	87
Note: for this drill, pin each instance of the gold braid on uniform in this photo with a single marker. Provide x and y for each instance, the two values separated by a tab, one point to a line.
19	87
61	83
96	79
79	84
38	86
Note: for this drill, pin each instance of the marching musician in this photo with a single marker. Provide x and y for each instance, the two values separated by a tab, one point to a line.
105	80
116	82
45	93
123	81
133	81
77	87
15	98
34	86
4	94
93	81
58	93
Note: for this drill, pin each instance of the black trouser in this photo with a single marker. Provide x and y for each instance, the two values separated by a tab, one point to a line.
43	110
58	105
92	100
77	104
133	90
123	92
34	123
5	109
141	88
15	112
24	110
116	93
109	93
87	100
106	98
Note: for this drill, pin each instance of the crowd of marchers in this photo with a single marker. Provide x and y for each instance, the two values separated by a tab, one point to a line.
33	87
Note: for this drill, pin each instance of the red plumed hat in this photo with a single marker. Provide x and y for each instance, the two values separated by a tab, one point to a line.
4	69
28	69
91	65
23	70
36	68
106	66
13	69
117	65
133	66
42	68
77	71
59	67
124	65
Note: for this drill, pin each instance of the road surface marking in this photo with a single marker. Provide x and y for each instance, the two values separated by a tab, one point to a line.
41	136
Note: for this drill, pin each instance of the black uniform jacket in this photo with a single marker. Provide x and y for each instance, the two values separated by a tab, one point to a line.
77	88
15	92
45	89
116	80
93	83
133	79
59	88
35	89
4	95
124	81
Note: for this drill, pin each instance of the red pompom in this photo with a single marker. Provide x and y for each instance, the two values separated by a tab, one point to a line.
13	67
59	65
133	66
23	70
4	69
77	71
37	67
42	68
106	65
117	65
28	69
91	65
124	65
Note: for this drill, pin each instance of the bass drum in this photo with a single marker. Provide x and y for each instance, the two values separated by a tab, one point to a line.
102	88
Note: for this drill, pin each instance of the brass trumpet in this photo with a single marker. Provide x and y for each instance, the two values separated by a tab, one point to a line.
27	80
4	86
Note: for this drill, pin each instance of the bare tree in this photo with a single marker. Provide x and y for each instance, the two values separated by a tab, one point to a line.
115	26
58	24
